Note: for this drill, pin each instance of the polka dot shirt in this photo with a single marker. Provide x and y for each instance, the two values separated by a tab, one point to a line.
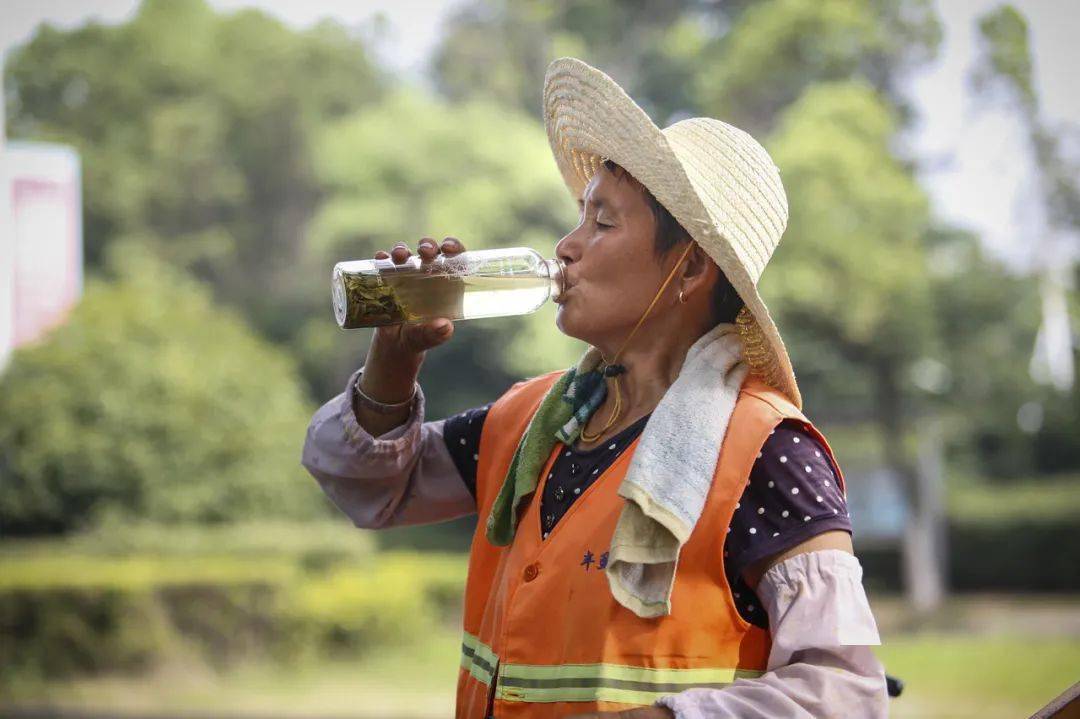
791	494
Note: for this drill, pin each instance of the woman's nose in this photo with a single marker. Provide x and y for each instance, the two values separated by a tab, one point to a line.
568	249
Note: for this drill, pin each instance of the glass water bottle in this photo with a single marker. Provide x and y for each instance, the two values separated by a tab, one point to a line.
476	283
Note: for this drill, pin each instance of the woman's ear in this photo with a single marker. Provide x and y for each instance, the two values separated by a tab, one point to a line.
696	268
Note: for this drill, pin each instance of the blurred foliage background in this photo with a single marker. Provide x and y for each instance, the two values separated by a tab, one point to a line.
153	513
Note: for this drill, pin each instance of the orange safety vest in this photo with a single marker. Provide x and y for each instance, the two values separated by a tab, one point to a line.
543	637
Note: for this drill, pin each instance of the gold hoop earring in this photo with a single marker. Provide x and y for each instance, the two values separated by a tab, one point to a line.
681	299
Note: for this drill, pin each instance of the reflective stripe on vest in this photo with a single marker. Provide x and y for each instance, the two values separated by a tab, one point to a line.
588	682
477	658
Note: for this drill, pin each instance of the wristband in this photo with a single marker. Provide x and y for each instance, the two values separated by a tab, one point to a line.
382	407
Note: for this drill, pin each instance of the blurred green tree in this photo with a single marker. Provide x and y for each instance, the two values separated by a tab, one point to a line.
194	131
1050	228
478	171
778	48
850	278
740	61
984	311
894	314
152	403
499	49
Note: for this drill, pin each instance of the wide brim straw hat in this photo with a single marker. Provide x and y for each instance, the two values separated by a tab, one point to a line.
715	179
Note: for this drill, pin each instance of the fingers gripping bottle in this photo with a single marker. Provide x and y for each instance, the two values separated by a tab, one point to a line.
466	286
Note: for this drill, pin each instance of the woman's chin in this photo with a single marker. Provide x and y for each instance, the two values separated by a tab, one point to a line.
560	322
564	321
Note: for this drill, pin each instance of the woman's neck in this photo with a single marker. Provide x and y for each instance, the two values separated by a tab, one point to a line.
653	362
653	358
648	375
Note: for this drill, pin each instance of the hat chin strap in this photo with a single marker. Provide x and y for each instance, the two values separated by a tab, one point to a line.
614	370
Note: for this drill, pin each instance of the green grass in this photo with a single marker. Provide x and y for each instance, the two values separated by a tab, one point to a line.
416	682
958	676
947	675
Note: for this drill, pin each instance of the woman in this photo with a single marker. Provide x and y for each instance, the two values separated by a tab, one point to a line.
594	587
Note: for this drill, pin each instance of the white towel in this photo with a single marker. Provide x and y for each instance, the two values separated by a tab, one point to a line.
672	470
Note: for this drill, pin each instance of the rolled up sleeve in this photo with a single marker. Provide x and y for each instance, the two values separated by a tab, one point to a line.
403	477
821	663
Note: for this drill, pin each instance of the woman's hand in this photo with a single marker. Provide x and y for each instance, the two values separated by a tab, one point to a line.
397	351
408	339
641	713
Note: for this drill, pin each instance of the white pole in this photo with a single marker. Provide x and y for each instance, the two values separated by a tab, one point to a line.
3	106
7	242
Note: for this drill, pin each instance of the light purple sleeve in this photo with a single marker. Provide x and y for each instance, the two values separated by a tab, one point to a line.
821	663
401	478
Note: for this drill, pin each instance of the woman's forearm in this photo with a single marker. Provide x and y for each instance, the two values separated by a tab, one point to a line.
389	377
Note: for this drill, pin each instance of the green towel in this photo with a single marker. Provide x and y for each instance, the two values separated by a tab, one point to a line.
562	414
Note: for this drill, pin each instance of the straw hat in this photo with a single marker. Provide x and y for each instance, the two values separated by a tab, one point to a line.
716	180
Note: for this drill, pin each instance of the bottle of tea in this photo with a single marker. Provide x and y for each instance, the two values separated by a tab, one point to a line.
469	285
